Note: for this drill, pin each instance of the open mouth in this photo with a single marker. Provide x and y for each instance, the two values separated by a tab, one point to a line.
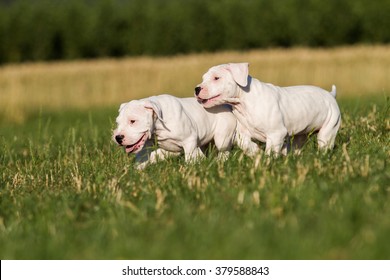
207	101
133	148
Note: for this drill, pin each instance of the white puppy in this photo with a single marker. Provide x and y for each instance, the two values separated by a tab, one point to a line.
270	113
177	124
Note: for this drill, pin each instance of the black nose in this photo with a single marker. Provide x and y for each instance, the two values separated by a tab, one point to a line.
119	139
197	90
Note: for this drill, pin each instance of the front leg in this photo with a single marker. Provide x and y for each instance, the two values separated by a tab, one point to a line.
161	154
155	156
274	142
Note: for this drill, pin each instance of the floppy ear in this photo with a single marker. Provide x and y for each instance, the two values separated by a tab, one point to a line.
151	103
239	72
122	106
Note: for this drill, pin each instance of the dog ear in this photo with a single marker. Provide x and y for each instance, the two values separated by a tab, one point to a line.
122	106
239	72
151	103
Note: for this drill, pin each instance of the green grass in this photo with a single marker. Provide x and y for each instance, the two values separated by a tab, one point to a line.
67	192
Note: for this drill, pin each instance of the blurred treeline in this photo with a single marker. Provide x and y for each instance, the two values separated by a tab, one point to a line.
32	30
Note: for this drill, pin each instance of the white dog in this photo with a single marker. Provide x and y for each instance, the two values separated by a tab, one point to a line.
177	123
270	113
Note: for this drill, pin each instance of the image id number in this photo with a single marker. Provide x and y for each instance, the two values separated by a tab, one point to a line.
228	270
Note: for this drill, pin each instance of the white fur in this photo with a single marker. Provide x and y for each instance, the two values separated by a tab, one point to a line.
178	124
269	113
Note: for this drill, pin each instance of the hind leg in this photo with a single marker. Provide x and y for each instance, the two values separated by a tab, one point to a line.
245	143
298	143
294	144
224	134
192	152
327	134
224	145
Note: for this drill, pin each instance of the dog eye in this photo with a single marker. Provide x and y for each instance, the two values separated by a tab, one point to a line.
216	78
132	121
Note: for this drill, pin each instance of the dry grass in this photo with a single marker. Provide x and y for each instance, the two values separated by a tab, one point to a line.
31	87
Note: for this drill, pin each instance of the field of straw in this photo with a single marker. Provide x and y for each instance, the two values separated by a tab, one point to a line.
29	88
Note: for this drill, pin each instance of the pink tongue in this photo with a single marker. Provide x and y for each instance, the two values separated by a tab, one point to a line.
137	145
129	148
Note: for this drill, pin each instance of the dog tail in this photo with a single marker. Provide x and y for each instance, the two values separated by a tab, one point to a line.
333	92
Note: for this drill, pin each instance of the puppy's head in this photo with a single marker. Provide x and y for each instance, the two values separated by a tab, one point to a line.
221	84
135	124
